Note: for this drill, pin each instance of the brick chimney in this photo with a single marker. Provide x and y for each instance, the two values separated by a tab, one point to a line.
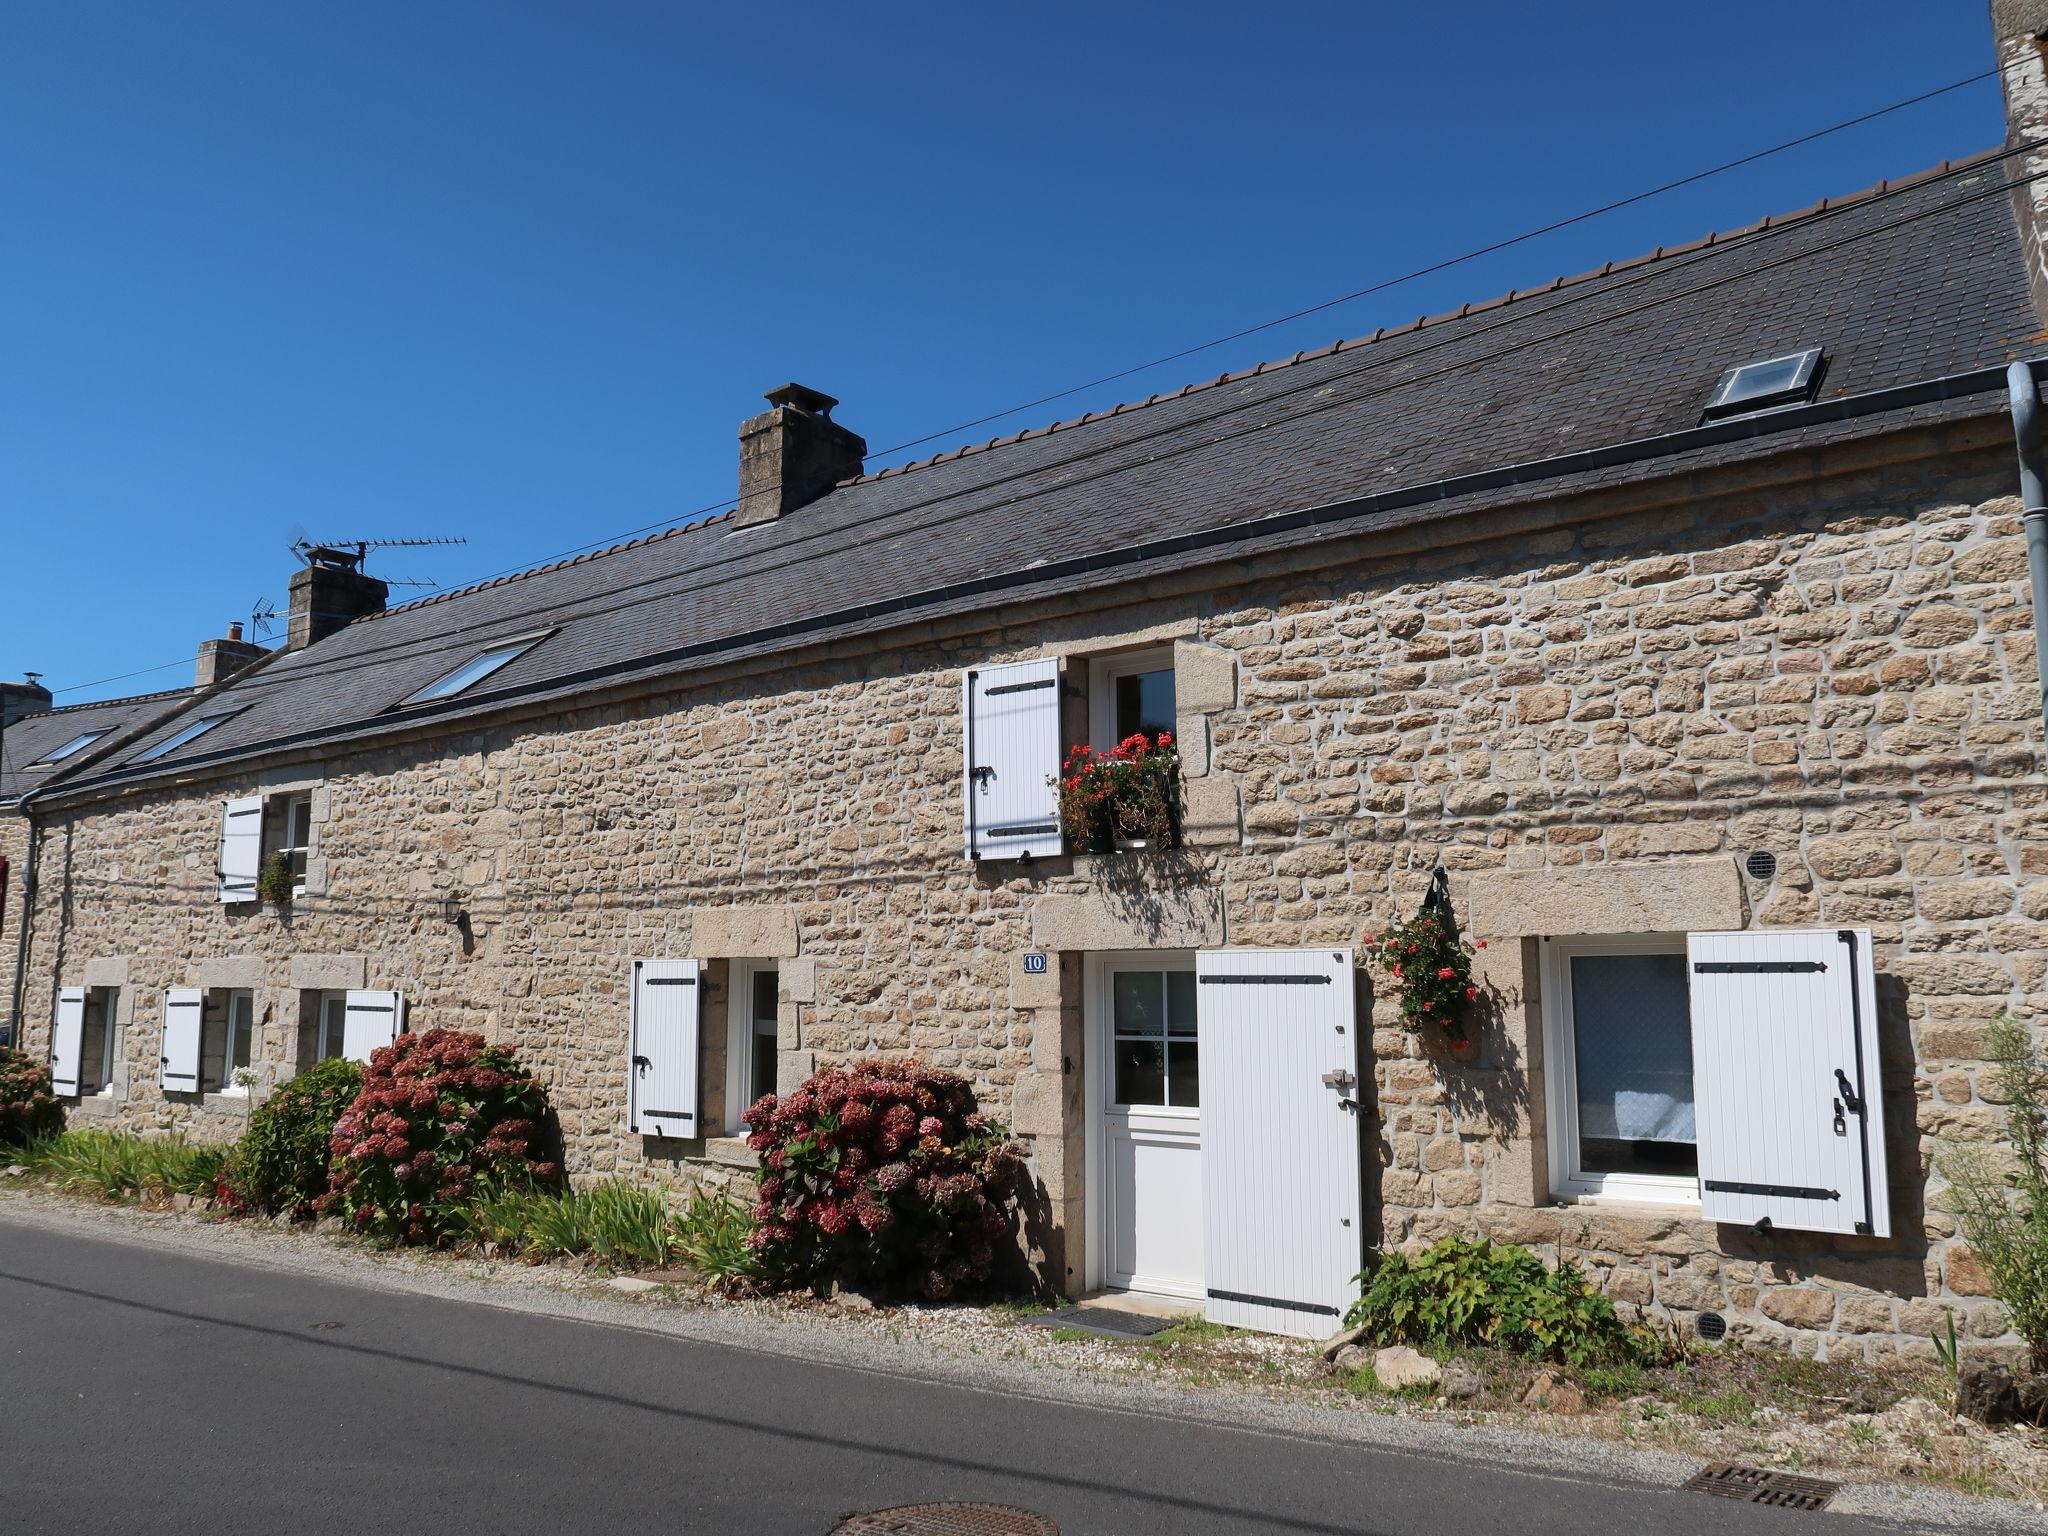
28	697
2019	30
330	591
794	453
225	657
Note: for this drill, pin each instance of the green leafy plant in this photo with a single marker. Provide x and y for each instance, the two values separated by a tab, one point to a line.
2002	1201
1431	967
28	1106
1949	1352
439	1114
885	1172
712	1236
1131	791
280	1164
274	881
116	1165
617	1222
1461	1291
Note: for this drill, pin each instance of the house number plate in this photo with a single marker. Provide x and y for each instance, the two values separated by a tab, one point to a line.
1034	964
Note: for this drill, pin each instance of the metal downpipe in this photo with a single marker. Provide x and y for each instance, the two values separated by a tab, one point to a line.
2026	432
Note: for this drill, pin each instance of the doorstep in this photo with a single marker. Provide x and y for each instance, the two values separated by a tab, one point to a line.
1143	1303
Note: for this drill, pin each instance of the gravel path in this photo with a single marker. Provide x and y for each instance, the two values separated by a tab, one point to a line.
962	1346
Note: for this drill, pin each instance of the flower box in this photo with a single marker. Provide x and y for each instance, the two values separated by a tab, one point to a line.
1124	800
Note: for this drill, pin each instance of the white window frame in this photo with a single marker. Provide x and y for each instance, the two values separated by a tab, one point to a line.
230	1027
112	1019
284	806
331	1018
1570	1184
740	1029
1103	672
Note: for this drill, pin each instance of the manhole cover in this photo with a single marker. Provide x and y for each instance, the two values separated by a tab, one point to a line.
947	1520
1753	1485
1105	1322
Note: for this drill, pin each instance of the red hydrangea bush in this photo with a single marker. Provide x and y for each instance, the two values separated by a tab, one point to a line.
884	1173
438	1112
28	1105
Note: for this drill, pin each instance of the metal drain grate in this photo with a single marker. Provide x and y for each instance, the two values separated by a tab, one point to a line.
947	1520
1753	1485
1105	1322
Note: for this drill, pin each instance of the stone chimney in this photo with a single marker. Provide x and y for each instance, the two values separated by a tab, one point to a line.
220	659
795	453
2019	29
28	697
330	591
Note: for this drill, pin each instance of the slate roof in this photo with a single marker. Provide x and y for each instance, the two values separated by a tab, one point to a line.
33	737
1905	282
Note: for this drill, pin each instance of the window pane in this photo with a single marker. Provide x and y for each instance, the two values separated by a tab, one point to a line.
1137	1002
243	1022
767	990
1632	1044
333	1013
1183	1074
1180	1002
1144	702
764	1068
1140	1072
92	1041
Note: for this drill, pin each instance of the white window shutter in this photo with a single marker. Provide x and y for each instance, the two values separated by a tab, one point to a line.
65	1039
180	1058
661	1072
1789	1101
1011	715
370	1020
241	847
1282	1207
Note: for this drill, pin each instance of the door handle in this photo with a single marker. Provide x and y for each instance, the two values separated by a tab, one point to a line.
1848	1094
1338	1079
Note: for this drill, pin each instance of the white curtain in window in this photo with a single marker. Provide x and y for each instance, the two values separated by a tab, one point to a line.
1633	1036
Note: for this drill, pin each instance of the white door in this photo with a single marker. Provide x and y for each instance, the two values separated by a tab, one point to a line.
1148	1132
1282	1211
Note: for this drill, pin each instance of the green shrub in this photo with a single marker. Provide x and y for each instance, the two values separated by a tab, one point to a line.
28	1106
280	1164
440	1115
2001	1201
617	1222
1459	1291
712	1237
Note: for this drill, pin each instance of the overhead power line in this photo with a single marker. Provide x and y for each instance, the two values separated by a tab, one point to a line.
704	577
686	519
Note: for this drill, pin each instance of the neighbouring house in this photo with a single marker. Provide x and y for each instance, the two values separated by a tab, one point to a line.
1679	611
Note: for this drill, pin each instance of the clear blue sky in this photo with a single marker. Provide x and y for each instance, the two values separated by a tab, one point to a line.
517	271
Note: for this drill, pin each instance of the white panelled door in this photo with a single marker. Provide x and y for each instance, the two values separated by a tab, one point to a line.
1282	1211
1011	715
661	1091
1148	1133
1787	1092
241	847
65	1040
370	1019
180	1058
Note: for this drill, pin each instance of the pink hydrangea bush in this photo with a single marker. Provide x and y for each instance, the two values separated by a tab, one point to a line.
885	1173
438	1112
28	1103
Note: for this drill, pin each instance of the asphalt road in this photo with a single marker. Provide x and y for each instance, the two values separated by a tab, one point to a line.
149	1391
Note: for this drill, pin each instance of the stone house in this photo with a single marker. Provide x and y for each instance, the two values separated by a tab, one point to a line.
1678	611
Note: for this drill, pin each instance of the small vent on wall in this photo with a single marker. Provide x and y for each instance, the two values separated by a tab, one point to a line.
1761	865
1712	1326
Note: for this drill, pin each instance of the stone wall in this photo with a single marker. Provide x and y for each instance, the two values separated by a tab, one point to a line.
1827	656
14	849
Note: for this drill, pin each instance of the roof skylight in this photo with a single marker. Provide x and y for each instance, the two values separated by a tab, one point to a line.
77	743
1787	380
191	732
476	669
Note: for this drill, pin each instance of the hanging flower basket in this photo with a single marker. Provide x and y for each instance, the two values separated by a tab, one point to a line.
1127	797
1431	966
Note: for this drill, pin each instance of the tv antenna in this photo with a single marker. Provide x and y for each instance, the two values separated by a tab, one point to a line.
263	618
337	551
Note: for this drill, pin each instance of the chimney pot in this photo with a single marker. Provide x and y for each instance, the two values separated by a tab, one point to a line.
235	630
793	453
